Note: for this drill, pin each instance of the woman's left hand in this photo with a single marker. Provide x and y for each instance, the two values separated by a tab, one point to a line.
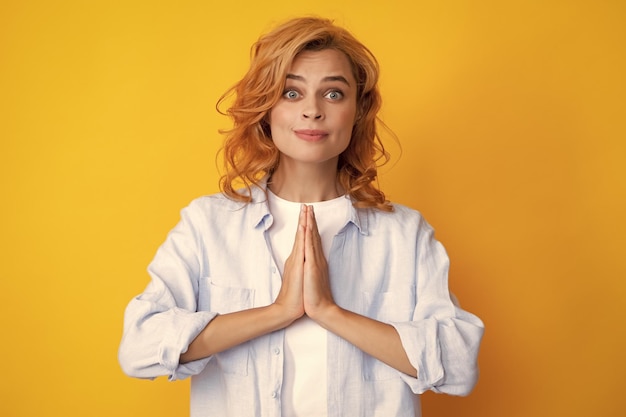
318	297
375	338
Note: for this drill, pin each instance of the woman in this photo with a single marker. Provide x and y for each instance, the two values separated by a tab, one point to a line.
305	293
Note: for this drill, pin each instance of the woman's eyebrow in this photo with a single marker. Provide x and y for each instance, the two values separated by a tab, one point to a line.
339	78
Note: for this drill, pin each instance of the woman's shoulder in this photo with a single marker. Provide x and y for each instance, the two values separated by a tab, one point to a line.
222	208
402	217
400	212
215	202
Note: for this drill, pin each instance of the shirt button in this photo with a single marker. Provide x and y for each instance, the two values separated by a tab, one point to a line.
273	270
274	395
276	351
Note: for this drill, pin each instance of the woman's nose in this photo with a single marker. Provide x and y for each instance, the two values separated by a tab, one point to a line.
312	115
312	109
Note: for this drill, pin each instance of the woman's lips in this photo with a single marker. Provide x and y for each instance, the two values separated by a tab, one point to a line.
311	135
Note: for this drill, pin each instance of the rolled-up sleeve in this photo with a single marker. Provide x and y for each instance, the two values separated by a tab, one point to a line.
442	340
161	322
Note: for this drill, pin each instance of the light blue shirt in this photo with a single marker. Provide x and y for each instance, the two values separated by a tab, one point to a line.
218	260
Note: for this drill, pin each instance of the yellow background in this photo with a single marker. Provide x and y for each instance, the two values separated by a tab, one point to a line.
511	117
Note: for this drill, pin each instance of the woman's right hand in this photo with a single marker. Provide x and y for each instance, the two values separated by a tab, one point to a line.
290	297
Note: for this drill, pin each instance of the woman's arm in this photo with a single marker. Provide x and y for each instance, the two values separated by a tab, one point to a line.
436	350
373	337
229	330
232	329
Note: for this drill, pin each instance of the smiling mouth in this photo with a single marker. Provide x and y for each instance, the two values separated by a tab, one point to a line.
311	135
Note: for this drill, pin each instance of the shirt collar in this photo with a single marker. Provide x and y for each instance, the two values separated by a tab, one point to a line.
259	206
260	211
359	217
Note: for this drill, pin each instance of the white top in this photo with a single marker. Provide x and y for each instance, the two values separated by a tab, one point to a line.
304	390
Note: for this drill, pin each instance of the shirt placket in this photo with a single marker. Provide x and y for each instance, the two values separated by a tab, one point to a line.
276	340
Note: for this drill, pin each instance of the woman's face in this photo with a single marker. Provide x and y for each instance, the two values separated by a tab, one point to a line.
313	120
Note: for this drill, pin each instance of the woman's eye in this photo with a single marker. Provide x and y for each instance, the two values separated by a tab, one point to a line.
334	95
291	94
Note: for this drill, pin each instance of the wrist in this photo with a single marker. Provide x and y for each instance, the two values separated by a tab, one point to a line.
283	315
327	316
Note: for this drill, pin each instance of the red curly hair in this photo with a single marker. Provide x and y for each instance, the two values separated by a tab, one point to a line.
249	152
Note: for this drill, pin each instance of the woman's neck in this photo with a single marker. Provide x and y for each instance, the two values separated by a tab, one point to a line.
305	183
